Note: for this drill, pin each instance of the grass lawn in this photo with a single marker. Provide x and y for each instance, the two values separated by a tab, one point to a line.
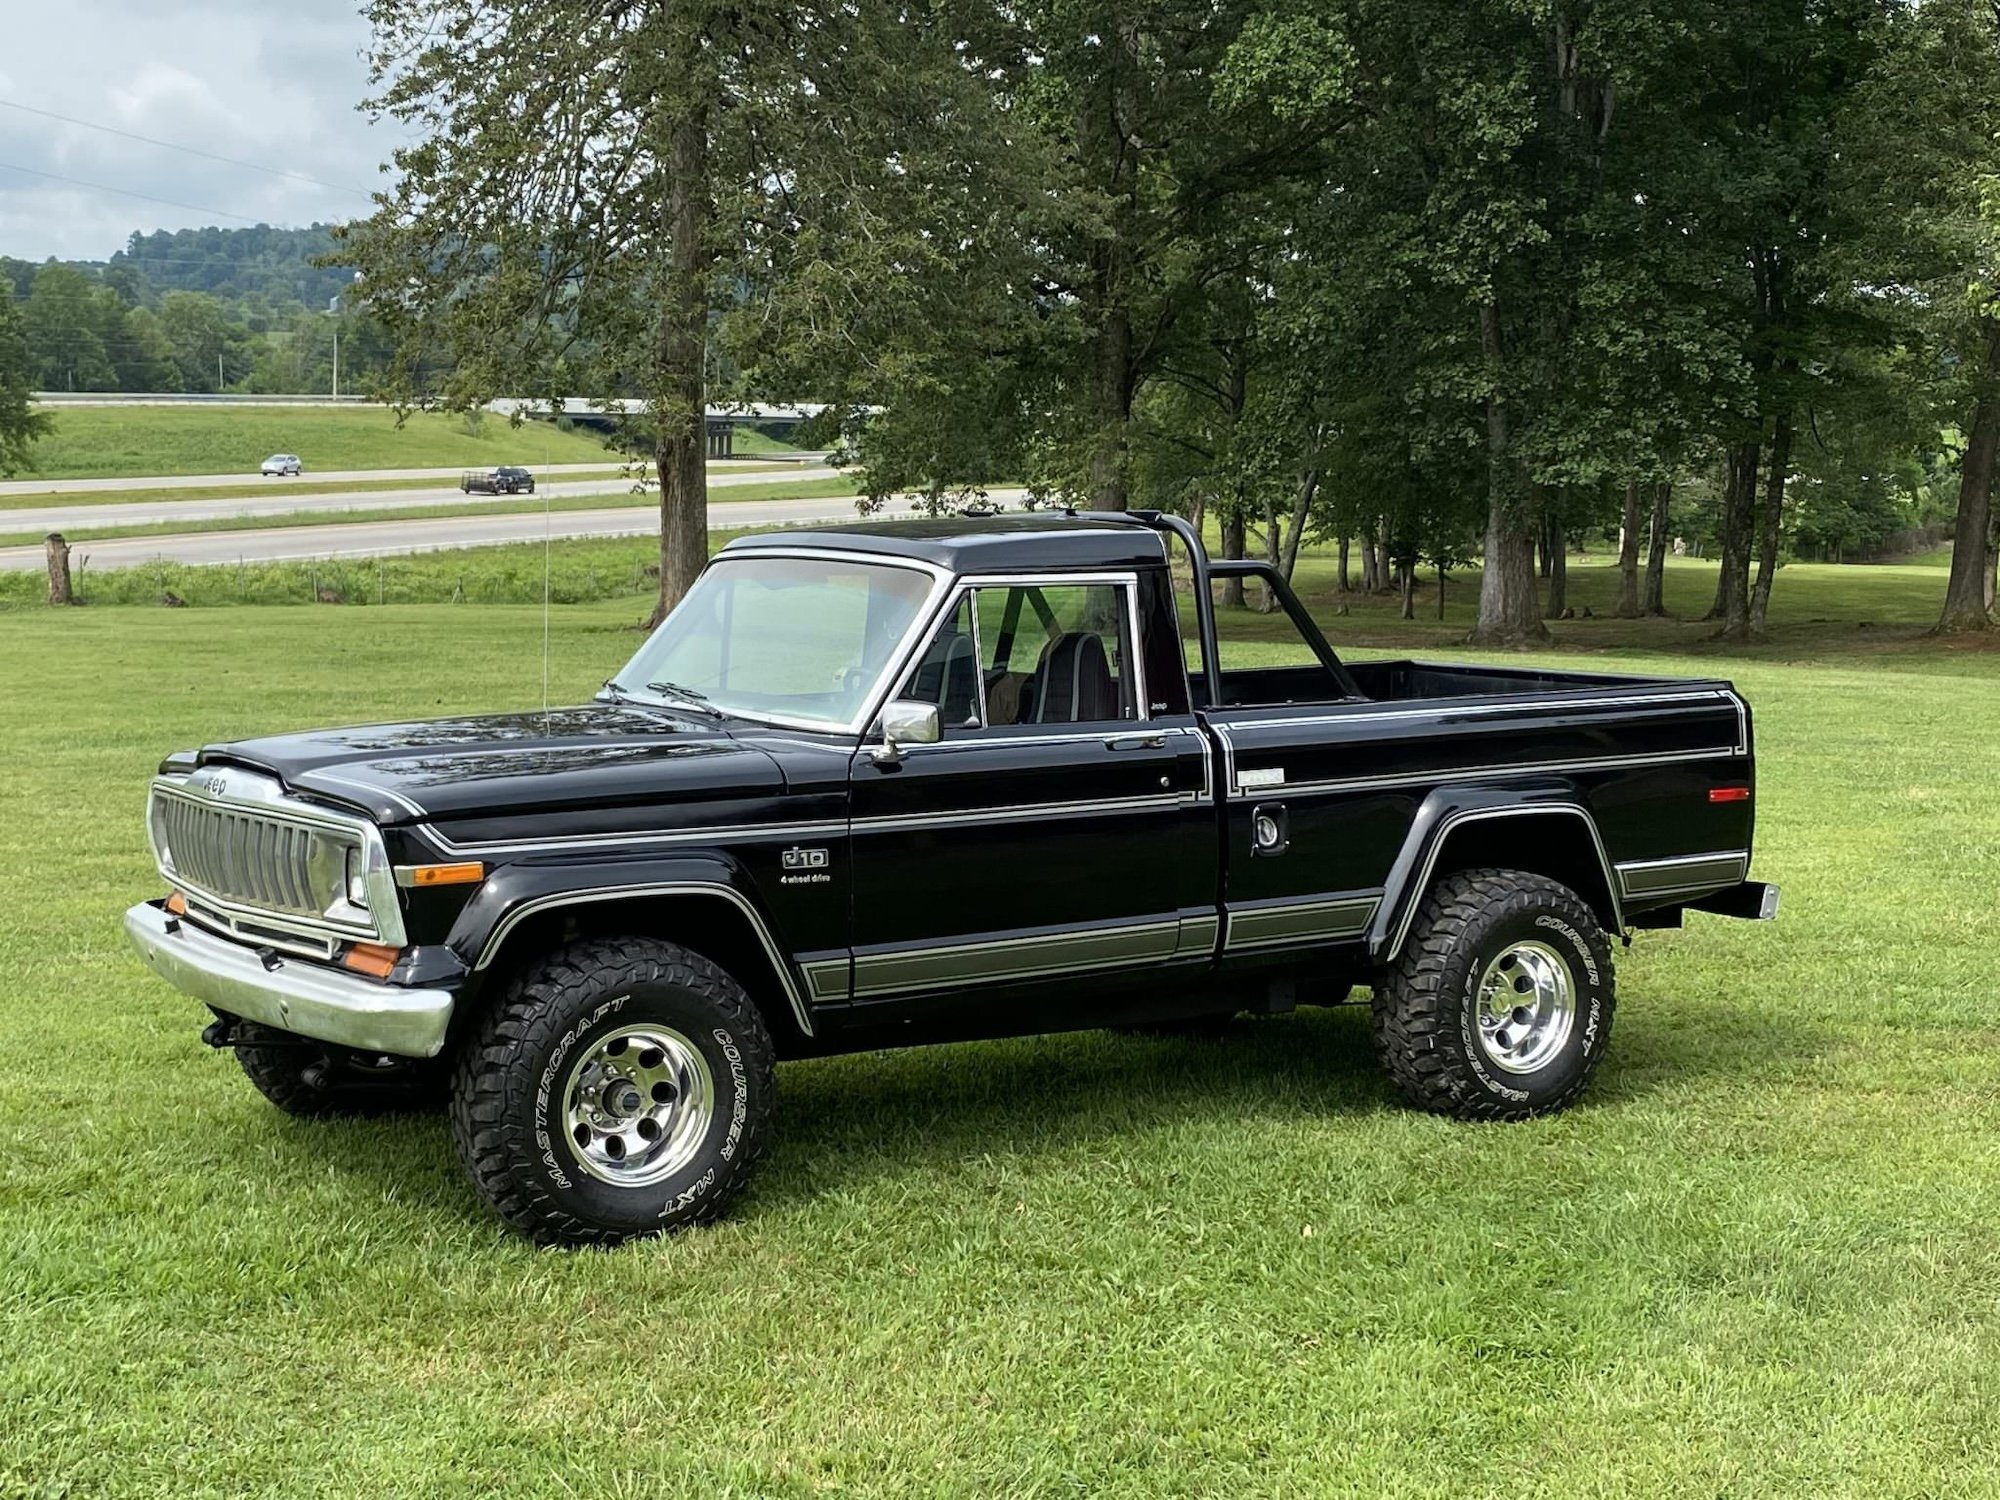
90	442
1760	1259
749	440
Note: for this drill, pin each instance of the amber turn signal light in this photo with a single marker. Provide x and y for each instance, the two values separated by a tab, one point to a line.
177	904
370	958
471	872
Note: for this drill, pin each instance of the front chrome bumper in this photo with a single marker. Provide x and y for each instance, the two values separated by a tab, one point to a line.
294	995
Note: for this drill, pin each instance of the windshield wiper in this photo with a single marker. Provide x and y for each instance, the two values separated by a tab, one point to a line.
686	695
618	694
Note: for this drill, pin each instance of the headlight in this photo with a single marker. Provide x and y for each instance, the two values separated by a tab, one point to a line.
156	830
357	879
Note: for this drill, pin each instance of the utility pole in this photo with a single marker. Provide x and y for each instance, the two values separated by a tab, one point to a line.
333	312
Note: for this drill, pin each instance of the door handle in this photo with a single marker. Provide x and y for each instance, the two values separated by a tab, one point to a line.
1136	742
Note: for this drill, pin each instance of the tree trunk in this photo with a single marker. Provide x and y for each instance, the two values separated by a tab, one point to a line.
1108	473
1232	547
1555	548
1409	587
1384	579
1627	607
1507	612
1968	602
1110	130
1769	522
1268	596
1342	582
60	590
1440	593
1295	528
1739	496
1656	552
681	350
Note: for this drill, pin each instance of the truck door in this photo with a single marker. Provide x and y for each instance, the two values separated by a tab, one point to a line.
1062	824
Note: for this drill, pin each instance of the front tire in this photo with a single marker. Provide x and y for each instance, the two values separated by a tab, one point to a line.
620	1087
1499	1006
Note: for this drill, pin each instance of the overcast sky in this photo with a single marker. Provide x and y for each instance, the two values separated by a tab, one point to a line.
263	82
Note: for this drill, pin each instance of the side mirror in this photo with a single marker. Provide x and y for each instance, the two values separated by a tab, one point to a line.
904	722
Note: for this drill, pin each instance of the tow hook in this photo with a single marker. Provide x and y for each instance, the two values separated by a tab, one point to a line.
219	1033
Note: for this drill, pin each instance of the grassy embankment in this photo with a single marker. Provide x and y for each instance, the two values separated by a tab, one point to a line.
1759	1260
90	442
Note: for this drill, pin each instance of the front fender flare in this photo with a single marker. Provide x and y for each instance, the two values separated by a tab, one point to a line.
1450	807
516	892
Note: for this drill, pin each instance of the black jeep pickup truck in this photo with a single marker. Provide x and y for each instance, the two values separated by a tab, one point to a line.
884	784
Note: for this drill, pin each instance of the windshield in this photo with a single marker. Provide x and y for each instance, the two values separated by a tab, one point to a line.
791	639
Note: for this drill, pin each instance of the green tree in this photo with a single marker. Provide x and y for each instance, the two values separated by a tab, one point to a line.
65	332
596	184
20	423
1923	161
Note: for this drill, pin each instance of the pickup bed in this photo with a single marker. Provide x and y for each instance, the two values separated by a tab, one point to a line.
896	783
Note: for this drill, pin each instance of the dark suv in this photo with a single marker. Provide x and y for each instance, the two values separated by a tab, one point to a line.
501	481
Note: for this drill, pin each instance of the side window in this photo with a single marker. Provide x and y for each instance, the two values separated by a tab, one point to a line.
947	674
1056	653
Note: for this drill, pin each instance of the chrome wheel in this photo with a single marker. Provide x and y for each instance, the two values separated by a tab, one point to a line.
638	1105
1527	1006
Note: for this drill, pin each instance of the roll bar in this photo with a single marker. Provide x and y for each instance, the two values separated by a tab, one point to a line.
1205	570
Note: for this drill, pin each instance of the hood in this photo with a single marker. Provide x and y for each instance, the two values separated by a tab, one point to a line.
601	758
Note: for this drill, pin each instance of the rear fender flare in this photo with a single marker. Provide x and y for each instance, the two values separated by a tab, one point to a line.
1452	807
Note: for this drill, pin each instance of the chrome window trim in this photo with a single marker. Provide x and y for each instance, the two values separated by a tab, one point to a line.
1128	583
876	696
384	912
779	960
1415	891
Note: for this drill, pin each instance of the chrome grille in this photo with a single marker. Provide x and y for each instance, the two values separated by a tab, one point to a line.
249	859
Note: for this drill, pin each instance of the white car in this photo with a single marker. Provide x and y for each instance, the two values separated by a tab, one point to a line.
282	463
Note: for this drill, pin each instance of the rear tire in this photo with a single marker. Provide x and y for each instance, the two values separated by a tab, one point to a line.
621	1087
1499	1006
310	1082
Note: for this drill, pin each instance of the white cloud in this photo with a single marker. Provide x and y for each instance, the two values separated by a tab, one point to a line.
275	85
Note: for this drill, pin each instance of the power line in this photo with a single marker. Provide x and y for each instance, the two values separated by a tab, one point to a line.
233	161
98	187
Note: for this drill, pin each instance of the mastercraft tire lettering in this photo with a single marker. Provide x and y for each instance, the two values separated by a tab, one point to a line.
619	1088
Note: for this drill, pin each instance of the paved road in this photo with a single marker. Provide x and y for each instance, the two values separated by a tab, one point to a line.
152	512
389	538
335	476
